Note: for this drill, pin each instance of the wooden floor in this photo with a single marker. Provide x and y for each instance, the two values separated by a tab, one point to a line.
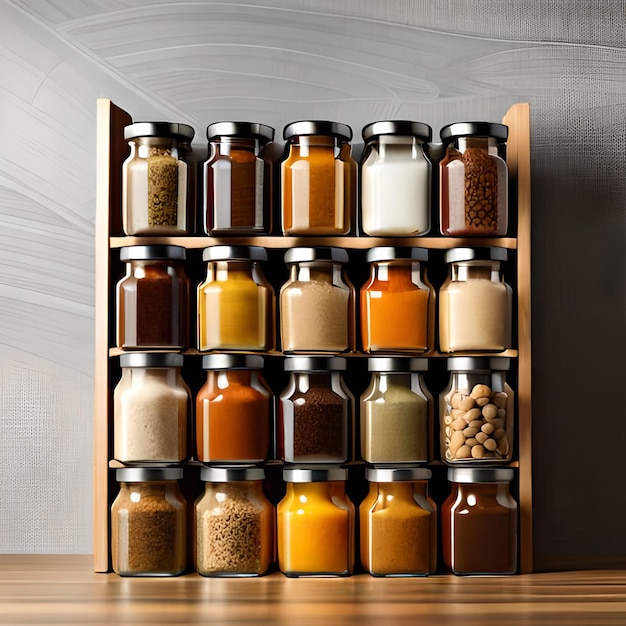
64	590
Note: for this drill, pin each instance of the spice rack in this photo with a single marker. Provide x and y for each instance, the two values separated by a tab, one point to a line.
111	152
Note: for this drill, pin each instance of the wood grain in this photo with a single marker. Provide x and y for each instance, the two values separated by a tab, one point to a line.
38	589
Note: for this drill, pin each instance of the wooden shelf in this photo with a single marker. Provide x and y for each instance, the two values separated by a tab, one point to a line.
112	150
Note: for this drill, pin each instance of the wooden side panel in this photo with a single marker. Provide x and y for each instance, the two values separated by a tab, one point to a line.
518	157
109	153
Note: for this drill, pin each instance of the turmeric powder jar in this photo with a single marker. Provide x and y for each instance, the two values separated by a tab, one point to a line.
476	412
318	179
474	180
316	412
479	522
151	409
234	523
395	179
148	523
237	179
475	303
396	413
315	524
236	302
233	410
157	182
153	299
317	308
398	302
398	523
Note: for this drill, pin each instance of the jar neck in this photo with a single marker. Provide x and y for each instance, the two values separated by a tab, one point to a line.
316	490
151	268
475	270
224	146
384	380
168	376
157	488
230	269
485	144
471	491
145	147
235	488
304	381
317	271
396	269
464	382
390	145
222	379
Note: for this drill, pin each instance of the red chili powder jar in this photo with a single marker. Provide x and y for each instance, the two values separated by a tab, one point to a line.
153	299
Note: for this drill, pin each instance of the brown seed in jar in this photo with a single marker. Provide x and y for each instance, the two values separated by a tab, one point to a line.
490	411
499	399
490	444
449	455
503	446
480	391
481	437
498	433
459	424
467	403
482	401
457	440
463	452
455	400
471	415
447	419
471	442
475	424
487	428
449	432
470	432
457	413
497	422
501	413
478	452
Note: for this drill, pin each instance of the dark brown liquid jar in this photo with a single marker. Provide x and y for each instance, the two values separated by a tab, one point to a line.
153	299
238	179
318	179
479	522
474	180
316	412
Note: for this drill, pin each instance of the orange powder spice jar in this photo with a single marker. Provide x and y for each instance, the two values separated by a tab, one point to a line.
398	302
233	410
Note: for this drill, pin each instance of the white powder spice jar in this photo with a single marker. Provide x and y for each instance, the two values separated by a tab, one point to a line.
151	409
395	179
317	309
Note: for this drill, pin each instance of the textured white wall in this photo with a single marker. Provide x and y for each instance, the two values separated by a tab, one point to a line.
275	61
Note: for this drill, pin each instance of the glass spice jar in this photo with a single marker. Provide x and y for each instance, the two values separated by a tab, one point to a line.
237	179
398	523
234	523
236	302
476	412
153	299
475	303
150	409
479	522
157	182
395	179
233	410
316	412
315	524
474	180
318	178
398	302
148	523
396	413
317	307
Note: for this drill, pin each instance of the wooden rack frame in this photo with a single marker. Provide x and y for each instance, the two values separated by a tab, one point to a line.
112	150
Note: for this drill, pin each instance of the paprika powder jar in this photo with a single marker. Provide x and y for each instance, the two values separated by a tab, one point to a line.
398	302
315	523
479	522
157	182
236	302
233	410
316	412
398	523
318	178
237	179
474	180
153	299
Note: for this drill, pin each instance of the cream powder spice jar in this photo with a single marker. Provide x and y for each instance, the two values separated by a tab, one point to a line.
475	304
151	408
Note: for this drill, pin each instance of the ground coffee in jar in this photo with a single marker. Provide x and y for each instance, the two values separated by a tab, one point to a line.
479	522
316	412
148	523
153	298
